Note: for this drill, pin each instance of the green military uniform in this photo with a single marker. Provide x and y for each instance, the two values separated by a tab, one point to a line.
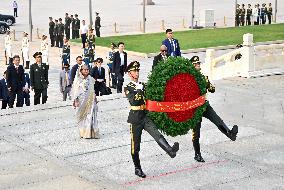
73	26
77	26
135	93
39	80
243	13
91	41
237	17
60	33
56	30
269	13
249	14
67	26
210	114
65	54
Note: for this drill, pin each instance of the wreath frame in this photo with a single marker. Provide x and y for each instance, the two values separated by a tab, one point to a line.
155	91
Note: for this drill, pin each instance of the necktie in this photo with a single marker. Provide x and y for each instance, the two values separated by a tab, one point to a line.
67	78
17	69
99	71
173	47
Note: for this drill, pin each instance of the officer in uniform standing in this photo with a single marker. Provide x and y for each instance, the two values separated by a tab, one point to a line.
212	116
67	26
65	53
237	17
77	27
138	119
8	48
44	49
73	27
263	11
61	33
56	32
26	50
39	79
249	14
269	13
51	31
243	13
98	25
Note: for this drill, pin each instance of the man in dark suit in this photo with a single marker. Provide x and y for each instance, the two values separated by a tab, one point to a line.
39	79
15	82
4	96
119	65
161	57
79	62
171	44
98	73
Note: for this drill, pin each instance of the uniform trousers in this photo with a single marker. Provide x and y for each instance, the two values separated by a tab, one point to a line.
38	94
214	118
136	132
52	39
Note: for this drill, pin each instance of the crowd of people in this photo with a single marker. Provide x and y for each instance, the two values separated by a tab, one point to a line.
256	16
87	79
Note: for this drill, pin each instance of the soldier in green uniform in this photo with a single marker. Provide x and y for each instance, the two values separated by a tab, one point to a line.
249	14
139	120
77	27
60	33
91	39
269	13
243	13
237	17
65	53
39	79
56	30
67	26
212	116
72	26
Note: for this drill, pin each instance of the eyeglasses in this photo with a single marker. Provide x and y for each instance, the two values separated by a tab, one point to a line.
163	50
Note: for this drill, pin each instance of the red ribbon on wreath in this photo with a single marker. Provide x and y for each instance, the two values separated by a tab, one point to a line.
155	106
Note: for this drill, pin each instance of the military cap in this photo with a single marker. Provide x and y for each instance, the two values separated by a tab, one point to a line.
36	54
50	17
195	60
56	20
60	19
133	66
76	15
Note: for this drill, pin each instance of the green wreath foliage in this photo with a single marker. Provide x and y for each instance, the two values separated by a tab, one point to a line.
156	85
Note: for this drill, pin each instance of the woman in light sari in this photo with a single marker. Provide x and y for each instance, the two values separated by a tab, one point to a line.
85	102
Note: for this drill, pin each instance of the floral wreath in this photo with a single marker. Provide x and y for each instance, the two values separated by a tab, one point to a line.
174	96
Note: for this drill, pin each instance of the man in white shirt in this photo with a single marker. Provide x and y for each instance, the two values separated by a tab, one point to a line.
84	31
15	6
